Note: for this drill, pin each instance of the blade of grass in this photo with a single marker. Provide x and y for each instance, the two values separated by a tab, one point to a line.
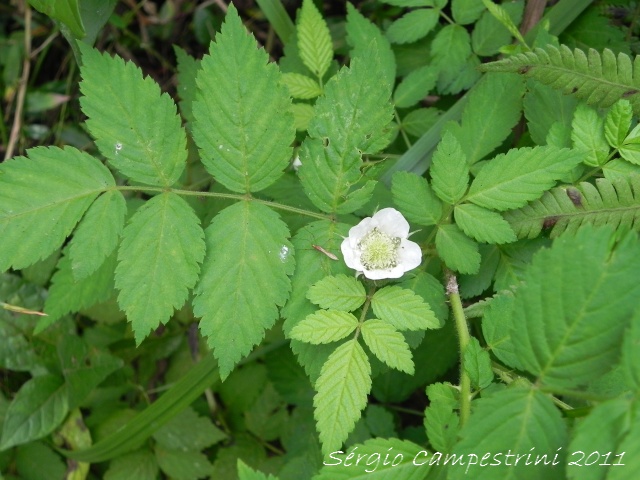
278	18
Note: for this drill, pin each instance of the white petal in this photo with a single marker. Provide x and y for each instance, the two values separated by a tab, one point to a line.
351	256
410	255
391	222
358	232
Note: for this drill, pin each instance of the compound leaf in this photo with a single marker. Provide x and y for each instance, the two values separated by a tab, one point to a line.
301	86
458	251
618	122
413	25
343	386
415	86
510	180
449	170
243	126
388	345
314	40
135	126
403	309
587	134
244	280
483	225
340	292
42	198
162	247
415	198
324	326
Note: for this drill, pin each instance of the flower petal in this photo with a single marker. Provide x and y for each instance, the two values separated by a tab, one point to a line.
391	222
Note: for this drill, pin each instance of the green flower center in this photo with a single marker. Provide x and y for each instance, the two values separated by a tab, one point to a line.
379	250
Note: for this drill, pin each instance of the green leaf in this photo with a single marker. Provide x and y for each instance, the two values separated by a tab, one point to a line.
301	86
386	343
477	364
187	72
188	431
415	86
514	421
599	78
618	122
620	170
67	294
314	40
564	336
412	3
324	326
451	49
37	409
631	447
48	464
339	292
417	122
490	34
510	180
496	328
403	309
415	199
302	115
483	225
183	465
396	463
458	251
449	170
136	127
413	25
65	11
440	420
615	203
41	200
544	107
162	247
97	234
466	11
494	107
246	473
141	465
630	148
630	358
243	126
343	386
587	134
83	367
244	279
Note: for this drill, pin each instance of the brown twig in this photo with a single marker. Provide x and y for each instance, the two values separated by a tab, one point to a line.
533	12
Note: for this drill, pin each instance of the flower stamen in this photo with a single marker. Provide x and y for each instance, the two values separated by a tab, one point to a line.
379	250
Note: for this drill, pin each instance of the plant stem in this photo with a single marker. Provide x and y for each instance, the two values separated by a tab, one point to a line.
463	339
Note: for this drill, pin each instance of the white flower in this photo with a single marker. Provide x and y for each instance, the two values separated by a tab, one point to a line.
296	164
379	247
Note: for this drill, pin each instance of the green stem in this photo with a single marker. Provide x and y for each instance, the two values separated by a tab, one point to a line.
463	339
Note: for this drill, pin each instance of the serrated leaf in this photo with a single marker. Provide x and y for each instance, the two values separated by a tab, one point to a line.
545	107
188	431
449	170
187	72
415	199
483	225
41	200
442	425
618	122
477	364
248	251
587	134
417	122
243	127
466	11
564	336
301	86
162	247
620	170
97	234
413	25
515	420
599	78
450	49
339	292
36	410
343	386
135	125
403	309
314	40
510	180
182	465
631	448
497	323
247	473
141	465
302	115
630	148
458	251
490	34
630	358
415	86
388	345
324	326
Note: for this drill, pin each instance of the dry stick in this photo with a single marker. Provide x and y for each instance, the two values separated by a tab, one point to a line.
22	88
532	14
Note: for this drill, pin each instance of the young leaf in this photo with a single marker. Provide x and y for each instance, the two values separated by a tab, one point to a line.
135	125
324	326
415	86
41	200
343	386
314	40
483	225
98	234
587	134
244	279
415	199
599	78
388	345
413	25
564	336
544	107
449	170
440	420
339	292
618	122
37	409
510	180
477	364
301	86
243	125
516	421
458	251
630	148
403	309
162	247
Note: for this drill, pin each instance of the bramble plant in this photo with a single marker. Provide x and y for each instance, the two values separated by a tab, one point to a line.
471	262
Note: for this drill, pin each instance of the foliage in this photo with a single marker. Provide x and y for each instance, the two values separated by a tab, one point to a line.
175	301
